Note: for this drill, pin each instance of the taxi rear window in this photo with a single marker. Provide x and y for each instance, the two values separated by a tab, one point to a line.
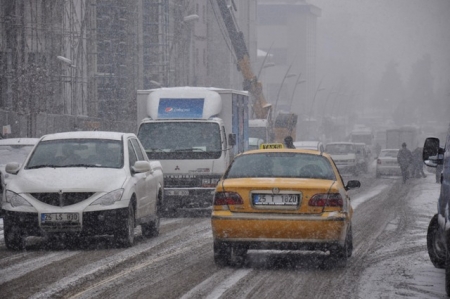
283	165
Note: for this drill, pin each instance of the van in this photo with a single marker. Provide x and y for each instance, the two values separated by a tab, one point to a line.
438	235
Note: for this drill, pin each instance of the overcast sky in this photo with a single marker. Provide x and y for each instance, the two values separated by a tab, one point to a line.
357	38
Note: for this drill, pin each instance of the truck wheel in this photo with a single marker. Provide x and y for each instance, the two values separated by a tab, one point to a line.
436	249
222	254
14	239
124	236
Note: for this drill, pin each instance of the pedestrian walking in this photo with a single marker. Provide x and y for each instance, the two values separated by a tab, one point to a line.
404	159
289	142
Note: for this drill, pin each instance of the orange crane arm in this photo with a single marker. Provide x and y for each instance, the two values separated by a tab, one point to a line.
261	108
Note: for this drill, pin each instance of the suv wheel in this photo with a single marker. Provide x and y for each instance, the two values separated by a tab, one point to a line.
436	249
124	236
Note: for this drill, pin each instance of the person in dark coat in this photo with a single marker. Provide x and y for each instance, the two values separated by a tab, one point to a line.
289	142
404	159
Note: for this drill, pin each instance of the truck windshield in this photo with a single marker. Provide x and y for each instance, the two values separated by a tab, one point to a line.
181	140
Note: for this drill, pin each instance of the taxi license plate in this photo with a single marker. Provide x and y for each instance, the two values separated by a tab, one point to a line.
176	192
59	217
277	200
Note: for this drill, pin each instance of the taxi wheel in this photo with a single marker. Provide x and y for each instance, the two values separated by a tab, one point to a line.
14	239
436	249
222	253
124	236
349	242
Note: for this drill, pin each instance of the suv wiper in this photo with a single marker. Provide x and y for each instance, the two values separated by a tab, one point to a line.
81	165
43	166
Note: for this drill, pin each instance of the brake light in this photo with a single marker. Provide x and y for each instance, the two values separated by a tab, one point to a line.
227	198
326	200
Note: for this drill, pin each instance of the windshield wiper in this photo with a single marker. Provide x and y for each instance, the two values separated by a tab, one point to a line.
81	165
149	150
195	149
43	166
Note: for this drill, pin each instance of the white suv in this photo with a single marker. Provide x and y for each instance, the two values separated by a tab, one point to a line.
344	156
83	184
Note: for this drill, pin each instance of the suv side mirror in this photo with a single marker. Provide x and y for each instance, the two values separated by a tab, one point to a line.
232	139
432	154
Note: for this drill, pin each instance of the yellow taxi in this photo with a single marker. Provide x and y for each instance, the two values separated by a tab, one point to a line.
282	199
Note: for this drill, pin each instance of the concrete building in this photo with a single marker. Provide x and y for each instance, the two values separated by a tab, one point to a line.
77	64
287	42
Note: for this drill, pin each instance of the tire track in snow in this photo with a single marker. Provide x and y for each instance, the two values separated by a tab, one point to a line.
91	271
23	268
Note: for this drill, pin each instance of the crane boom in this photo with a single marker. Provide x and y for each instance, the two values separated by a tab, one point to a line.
261	108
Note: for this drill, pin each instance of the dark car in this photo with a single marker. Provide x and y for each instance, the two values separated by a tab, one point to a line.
438	236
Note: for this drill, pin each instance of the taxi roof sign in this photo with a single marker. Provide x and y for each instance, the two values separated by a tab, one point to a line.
271	145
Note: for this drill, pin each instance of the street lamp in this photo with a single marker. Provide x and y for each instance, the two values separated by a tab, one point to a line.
190	18
287	75
269	64
281	86
295	87
155	83
66	61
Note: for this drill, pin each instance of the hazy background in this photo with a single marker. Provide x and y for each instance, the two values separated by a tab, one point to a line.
387	56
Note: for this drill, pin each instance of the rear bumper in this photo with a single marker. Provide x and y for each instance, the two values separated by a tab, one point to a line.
280	231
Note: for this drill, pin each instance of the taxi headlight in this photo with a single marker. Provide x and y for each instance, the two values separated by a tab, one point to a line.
109	198
15	199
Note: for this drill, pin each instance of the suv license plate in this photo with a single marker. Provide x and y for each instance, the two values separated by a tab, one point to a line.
60	217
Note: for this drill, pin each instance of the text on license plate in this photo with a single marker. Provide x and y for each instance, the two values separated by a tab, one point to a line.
60	217
276	199
176	192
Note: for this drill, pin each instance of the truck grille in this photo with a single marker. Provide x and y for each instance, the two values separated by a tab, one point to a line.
62	199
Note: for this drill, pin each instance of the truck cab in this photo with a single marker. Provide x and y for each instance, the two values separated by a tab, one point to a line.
194	132
436	154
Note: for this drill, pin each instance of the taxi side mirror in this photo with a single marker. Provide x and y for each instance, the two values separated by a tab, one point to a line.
432	154
353	184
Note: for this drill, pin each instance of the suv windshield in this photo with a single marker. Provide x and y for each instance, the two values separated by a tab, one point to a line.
77	153
339	149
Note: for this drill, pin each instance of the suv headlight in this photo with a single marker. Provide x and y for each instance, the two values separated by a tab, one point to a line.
109	198
15	199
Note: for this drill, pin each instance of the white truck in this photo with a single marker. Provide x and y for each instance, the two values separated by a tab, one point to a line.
395	137
194	132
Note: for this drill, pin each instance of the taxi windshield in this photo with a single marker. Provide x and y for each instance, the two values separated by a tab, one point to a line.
281	165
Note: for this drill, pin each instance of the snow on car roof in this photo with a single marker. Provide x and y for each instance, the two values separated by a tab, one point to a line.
18	141
306	143
87	134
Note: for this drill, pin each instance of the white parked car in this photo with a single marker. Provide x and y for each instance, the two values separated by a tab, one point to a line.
83	184
344	156
387	163
314	145
14	149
